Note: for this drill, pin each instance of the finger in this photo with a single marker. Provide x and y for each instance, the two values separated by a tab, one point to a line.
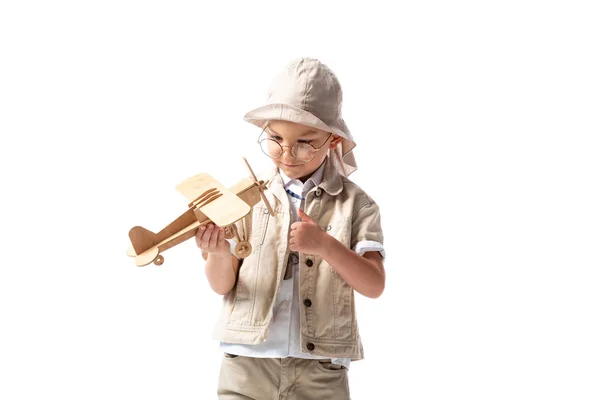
303	216
207	233
221	238
306	219
199	234
297	226
206	236
214	237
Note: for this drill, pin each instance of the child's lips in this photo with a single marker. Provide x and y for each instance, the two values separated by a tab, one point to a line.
290	166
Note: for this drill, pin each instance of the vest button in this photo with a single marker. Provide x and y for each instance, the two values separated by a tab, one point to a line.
309	262
266	211
310	346
307	302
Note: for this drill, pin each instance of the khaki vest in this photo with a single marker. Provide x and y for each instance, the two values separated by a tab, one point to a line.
328	321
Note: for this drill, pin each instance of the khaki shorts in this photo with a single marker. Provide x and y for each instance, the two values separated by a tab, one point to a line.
281	378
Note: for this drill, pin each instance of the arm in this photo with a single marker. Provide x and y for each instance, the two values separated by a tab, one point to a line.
221	271
221	266
365	273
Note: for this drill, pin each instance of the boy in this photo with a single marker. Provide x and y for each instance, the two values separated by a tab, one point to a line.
288	327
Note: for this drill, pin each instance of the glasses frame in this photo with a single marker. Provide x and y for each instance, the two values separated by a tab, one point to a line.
292	147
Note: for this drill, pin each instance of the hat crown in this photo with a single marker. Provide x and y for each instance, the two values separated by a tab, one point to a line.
310	85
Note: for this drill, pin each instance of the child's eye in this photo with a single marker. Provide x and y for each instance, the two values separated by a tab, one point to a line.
275	137
305	141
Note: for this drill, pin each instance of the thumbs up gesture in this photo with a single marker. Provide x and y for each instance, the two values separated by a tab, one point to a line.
306	236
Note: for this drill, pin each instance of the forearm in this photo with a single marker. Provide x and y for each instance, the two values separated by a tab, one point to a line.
366	276
221	271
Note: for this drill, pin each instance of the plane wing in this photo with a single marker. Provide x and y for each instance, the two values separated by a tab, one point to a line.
218	203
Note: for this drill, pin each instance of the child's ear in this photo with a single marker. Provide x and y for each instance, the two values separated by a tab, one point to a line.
335	141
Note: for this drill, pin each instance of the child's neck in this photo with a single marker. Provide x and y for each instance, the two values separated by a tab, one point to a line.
302	179
305	178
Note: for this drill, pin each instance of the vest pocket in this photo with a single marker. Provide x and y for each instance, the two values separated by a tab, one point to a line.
245	290
340	228
260	220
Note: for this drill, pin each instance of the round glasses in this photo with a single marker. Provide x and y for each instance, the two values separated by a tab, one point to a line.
301	151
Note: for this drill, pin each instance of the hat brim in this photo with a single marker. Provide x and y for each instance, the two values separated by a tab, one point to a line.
285	112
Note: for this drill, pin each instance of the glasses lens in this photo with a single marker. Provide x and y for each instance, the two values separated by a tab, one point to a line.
271	148
304	152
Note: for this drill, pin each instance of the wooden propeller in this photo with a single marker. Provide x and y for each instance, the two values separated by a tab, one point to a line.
261	187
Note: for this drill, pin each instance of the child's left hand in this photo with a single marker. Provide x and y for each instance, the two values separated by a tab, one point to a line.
307	236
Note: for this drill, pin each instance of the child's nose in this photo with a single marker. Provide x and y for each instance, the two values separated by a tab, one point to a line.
287	151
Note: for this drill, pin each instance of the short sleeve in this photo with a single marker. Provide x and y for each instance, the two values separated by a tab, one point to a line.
232	244
366	225
365	246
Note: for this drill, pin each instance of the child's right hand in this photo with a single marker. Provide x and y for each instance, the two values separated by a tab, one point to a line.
211	239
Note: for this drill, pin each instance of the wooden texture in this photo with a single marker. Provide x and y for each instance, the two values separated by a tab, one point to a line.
215	201
209	201
260	185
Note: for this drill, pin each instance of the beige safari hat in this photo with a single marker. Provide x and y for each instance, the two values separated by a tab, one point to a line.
307	92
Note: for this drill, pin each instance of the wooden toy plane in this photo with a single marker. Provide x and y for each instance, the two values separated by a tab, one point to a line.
209	201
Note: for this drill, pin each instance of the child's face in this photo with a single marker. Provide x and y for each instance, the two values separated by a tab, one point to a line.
287	134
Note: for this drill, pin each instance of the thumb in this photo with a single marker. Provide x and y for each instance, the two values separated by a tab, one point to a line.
303	216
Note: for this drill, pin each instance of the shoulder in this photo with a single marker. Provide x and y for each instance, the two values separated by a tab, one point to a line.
349	200
361	212
353	191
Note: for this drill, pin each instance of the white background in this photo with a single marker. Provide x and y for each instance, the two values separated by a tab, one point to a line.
477	126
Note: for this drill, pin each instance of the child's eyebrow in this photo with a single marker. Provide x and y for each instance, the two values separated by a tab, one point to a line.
307	133
310	132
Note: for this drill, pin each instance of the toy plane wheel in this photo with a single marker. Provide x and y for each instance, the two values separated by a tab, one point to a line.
229	232
243	249
159	260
